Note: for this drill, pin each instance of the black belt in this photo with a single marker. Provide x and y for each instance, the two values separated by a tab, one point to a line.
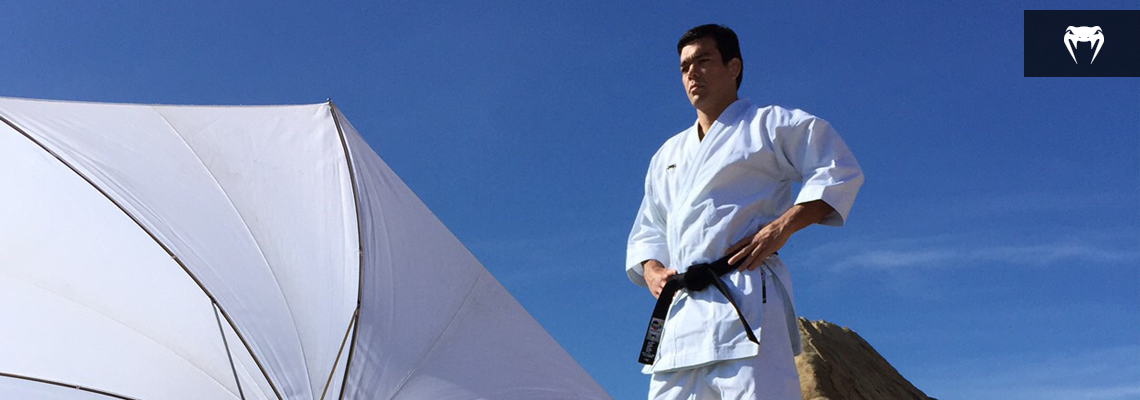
695	279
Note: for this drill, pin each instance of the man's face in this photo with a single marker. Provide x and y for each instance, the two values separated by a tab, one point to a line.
707	79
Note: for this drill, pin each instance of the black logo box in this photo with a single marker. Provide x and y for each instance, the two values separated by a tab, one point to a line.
1046	56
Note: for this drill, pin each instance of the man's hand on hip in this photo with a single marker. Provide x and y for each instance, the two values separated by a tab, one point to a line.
754	249
655	275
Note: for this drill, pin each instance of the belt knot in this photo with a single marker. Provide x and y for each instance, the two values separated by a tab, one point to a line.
697	277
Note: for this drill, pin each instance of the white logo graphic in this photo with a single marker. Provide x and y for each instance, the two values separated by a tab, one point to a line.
1077	34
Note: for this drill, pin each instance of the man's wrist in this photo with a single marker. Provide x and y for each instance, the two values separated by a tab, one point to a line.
782	226
800	216
651	264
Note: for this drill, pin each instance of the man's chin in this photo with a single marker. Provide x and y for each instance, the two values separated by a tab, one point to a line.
697	100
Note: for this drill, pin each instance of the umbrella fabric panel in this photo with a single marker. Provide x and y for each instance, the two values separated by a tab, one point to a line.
415	277
131	153
88	298
284	171
433	323
493	349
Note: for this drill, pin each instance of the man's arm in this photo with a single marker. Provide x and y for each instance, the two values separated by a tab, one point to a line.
771	237
647	244
813	150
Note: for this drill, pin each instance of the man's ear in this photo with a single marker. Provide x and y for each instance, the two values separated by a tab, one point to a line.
734	66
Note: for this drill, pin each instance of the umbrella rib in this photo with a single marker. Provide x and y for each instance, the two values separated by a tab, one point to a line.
351	323
67	385
229	356
359	244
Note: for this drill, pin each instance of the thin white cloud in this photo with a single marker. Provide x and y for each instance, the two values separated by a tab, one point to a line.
1116	392
940	255
1009	247
888	259
1048	254
1110	373
1021	202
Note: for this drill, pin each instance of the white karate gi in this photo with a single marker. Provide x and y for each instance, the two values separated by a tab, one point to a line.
702	196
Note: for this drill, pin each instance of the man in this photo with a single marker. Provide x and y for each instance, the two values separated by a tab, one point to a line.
723	188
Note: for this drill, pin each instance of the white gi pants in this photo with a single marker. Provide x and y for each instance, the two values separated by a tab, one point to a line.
770	375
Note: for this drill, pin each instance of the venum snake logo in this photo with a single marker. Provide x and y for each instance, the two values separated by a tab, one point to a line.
1077	34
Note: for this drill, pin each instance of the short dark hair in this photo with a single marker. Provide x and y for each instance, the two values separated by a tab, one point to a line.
726	44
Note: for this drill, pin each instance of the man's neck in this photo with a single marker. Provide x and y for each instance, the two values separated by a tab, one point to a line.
708	115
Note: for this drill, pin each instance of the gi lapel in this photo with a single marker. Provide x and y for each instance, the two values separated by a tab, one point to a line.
689	184
695	163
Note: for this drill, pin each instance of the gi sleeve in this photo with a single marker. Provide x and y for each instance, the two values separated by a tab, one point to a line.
647	238
822	162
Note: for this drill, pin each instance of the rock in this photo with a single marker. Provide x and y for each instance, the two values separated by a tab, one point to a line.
837	364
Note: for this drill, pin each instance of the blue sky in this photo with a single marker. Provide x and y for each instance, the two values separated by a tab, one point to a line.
992	253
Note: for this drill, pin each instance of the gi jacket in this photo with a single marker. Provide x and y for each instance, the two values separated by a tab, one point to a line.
701	196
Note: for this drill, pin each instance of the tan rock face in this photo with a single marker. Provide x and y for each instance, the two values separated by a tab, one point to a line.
837	364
